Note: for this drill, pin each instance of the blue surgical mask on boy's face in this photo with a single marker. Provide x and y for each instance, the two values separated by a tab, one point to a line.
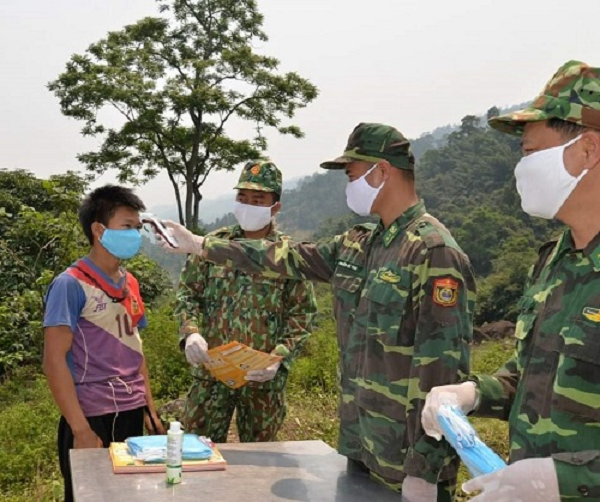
122	244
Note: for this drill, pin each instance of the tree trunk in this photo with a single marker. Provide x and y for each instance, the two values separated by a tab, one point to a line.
189	204
177	197
197	200
189	195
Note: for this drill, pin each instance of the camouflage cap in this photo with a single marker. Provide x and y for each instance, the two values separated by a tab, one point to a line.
372	143
261	175
572	94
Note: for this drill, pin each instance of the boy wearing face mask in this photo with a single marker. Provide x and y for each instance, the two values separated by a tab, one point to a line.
550	390
93	357
218	304
404	297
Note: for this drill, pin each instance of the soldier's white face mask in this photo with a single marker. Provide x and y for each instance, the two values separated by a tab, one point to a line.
360	195
543	182
252	218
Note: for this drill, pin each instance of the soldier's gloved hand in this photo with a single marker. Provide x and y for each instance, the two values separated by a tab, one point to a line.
418	490
529	480
463	395
263	375
196	349
188	242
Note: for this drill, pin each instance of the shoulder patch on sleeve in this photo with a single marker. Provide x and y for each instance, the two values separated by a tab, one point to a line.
445	292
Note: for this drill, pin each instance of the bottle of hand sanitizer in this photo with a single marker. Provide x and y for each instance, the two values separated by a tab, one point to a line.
174	451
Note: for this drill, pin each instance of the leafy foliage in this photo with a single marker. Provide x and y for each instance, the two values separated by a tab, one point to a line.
169	370
29	419
39	237
178	81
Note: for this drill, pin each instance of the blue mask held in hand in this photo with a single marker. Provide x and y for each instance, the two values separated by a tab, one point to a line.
122	244
479	458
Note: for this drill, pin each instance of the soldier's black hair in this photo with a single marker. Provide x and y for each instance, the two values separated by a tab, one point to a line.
408	174
101	204
567	129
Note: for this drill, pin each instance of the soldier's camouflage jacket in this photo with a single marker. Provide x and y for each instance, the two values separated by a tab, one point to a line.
404	301
224	304
550	390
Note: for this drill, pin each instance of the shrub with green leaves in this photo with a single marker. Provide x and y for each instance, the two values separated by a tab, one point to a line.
169	371
40	237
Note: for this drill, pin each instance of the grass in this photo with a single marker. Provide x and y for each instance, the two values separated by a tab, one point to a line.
28	422
28	416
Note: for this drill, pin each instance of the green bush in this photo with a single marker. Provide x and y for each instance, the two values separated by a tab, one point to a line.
39	237
316	370
29	416
169	371
28	425
34	247
155	284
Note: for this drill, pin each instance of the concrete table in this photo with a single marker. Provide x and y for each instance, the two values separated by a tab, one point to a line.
303	471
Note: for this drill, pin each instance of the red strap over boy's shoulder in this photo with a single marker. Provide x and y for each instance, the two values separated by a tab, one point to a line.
129	296
134	303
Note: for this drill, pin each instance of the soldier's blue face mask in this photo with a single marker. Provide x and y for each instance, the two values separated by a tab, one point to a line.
122	244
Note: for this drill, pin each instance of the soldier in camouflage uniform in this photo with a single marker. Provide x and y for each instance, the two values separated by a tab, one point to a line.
218	304
404	296
550	390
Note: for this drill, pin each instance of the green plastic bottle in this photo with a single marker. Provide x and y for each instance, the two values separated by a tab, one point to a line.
174	452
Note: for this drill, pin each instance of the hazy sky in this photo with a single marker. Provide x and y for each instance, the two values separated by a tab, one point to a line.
415	64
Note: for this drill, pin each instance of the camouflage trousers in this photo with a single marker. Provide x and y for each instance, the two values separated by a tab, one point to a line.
210	405
446	489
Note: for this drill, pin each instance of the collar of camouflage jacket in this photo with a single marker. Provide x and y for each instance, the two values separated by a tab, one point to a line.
400	224
565	245
238	233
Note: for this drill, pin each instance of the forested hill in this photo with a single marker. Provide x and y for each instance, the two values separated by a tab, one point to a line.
317	204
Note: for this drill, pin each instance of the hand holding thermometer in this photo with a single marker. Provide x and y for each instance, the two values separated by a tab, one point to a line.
159	229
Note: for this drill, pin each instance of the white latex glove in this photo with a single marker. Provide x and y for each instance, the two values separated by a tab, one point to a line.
418	490
196	349
263	375
189	243
464	395
530	480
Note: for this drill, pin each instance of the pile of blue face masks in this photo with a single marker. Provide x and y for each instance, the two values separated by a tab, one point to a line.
477	456
154	448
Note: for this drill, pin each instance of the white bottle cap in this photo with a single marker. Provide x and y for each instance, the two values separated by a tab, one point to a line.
175	427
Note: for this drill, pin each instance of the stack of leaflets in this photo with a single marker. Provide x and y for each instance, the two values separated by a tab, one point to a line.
231	362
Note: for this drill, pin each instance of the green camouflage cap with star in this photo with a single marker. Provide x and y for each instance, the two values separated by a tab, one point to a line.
572	94
261	175
372	143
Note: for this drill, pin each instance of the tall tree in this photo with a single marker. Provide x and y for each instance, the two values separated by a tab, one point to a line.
178	81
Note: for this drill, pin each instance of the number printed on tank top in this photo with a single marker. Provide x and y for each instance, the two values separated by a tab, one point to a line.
124	324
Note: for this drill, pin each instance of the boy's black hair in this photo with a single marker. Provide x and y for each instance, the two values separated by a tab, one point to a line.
101	204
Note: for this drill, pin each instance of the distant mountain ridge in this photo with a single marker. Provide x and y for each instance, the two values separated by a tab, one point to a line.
324	192
214	208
